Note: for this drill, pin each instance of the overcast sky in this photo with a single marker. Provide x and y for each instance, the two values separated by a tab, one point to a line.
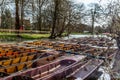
86	2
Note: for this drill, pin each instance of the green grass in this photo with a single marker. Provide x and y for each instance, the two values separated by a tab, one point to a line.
34	36
10	37
6	33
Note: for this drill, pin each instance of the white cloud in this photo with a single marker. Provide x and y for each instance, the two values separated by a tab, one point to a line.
85	1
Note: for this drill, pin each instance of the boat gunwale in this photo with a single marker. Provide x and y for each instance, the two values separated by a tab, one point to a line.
65	69
19	73
60	71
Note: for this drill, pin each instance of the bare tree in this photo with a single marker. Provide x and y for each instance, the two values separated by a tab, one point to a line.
1	10
17	20
113	17
56	5
40	4
22	11
2	2
94	13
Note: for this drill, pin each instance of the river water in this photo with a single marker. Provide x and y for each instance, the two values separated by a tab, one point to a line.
78	36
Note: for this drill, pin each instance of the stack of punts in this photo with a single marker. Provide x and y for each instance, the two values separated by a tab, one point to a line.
74	47
13	52
84	72
53	45
30	62
48	69
14	59
60	69
100	41
46	44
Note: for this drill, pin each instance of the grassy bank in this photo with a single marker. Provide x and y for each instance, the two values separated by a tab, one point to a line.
34	36
6	37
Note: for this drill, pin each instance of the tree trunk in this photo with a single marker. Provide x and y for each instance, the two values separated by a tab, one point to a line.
92	25
52	36
63	28
2	9
17	22
22	12
93	20
33	11
39	17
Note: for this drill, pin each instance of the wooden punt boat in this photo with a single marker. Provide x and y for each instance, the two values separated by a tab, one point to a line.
64	65
26	62
103	42
86	49
55	45
84	72
10	51
37	43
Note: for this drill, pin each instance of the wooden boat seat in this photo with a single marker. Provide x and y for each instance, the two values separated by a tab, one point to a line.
2	69
24	59
27	50
64	48
43	59
1	62
11	69
54	57
25	54
29	64
33	50
57	55
16	53
12	56
50	58
3	51
16	60
2	54
20	66
31	57
60	48
9	53
20	55
7	62
44	62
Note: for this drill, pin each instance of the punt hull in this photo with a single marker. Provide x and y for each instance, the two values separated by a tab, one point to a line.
40	73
